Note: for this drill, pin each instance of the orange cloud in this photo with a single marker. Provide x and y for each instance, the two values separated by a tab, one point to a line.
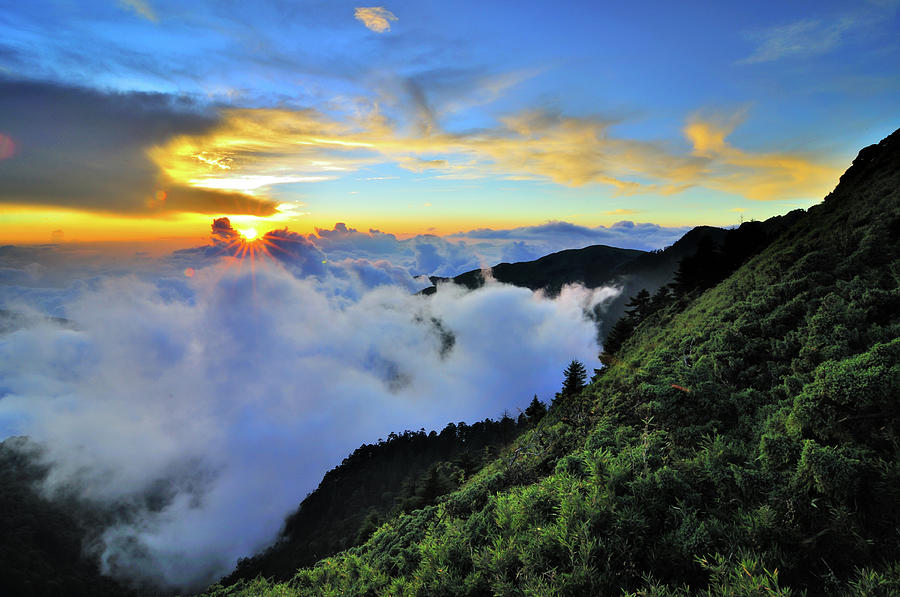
252	149
376	18
760	176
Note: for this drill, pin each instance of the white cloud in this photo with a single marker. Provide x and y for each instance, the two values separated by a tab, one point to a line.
231	394
810	37
346	261
803	38
530	242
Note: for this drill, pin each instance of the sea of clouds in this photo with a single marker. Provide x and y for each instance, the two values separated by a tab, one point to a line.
225	387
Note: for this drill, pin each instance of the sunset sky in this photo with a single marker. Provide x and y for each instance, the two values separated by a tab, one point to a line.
142	119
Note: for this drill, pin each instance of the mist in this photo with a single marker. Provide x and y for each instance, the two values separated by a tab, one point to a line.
204	415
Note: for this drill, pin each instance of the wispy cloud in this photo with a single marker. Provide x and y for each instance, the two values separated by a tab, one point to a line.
810	37
140	7
536	145
754	175
376	18
566	150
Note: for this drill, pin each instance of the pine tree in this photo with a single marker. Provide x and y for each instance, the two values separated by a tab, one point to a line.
536	410
618	334
662	298
575	380
639	306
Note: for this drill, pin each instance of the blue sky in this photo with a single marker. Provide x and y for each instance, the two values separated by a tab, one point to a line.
433	115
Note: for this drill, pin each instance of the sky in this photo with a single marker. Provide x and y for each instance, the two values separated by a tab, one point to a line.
215	218
144	119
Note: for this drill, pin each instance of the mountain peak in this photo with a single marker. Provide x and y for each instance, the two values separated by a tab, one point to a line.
876	161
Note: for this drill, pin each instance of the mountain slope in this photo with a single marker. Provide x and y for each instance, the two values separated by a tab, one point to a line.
746	441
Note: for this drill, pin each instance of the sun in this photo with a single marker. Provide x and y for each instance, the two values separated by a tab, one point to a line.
248	233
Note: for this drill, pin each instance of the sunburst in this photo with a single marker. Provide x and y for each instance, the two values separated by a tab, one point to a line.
246	245
249	234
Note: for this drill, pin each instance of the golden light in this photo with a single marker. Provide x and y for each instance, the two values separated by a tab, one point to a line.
248	233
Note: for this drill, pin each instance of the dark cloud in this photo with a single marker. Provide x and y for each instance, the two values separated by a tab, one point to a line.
86	149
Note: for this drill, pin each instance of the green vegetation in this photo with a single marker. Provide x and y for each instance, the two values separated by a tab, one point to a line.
702	257
743	440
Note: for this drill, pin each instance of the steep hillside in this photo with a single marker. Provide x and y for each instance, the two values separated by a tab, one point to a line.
745	440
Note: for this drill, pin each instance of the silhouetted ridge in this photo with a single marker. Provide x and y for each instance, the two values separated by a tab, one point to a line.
711	252
877	161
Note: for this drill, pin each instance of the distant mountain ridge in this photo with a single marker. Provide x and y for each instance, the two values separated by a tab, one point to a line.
631	270
592	266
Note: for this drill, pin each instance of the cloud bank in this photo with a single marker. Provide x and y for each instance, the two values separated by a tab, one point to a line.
336	251
205	408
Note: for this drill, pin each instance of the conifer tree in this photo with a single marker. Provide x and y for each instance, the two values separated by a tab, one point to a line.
536	410
639	306
575	380
618	334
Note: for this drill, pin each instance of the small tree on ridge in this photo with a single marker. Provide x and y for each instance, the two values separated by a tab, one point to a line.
575	380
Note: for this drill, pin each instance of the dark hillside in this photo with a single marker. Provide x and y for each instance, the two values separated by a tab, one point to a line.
745	440
42	541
